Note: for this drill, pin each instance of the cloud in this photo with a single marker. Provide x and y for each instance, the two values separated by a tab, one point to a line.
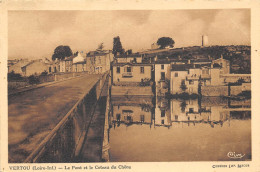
228	27
35	34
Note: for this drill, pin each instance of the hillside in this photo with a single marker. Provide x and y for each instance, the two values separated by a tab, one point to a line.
239	56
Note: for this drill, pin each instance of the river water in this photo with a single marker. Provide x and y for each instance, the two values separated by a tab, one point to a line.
143	129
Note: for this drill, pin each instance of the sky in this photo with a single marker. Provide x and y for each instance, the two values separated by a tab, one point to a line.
35	34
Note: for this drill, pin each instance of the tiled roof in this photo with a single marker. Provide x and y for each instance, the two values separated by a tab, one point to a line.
181	67
131	64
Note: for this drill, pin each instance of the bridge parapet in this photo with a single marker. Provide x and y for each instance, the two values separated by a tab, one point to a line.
64	141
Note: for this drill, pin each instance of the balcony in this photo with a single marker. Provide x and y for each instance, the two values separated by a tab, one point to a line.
127	74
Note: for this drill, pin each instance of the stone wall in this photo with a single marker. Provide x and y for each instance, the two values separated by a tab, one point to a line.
214	90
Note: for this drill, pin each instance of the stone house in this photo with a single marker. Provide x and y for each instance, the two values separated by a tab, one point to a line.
131	58
35	67
65	65
131	73
99	61
17	67
184	79
79	64
162	76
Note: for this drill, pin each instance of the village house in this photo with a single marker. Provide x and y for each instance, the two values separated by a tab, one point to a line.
17	67
184	79
99	61
162	76
190	77
53	67
65	65
131	73
35	67
11	63
79	63
223	64
131	58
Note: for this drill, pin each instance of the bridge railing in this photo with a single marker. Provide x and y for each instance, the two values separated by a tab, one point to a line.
64	141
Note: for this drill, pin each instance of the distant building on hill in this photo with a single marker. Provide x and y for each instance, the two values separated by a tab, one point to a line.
205	40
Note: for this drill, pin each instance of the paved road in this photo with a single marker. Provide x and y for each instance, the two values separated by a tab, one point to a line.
33	114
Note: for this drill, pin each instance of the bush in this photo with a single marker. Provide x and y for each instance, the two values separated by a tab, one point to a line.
146	82
33	79
14	76
44	73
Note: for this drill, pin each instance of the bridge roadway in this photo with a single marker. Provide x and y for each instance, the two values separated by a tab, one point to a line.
33	114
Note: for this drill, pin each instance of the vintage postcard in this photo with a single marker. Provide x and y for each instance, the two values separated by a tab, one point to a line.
129	86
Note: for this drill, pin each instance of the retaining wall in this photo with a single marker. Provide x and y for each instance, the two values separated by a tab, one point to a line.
214	90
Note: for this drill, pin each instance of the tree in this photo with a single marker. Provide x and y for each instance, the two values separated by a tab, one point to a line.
100	46
130	51
61	52
165	41
117	46
75	54
14	76
183	86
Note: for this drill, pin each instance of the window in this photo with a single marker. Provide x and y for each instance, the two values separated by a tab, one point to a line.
191	110
49	69
162	66
176	117
191	82
205	71
183	81
118	116
163	113
129	118
176	74
118	70
162	122
128	69
142	69
142	118
163	76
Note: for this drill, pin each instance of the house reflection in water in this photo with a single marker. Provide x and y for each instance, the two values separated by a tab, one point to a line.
199	111
166	113
177	127
162	113
131	110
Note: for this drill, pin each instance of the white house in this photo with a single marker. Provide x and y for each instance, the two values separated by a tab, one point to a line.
79	63
162	76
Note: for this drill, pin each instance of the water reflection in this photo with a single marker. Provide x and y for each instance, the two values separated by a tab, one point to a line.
131	111
206	129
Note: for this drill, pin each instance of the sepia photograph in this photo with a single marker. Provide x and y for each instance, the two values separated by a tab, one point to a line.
129	86
137	86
